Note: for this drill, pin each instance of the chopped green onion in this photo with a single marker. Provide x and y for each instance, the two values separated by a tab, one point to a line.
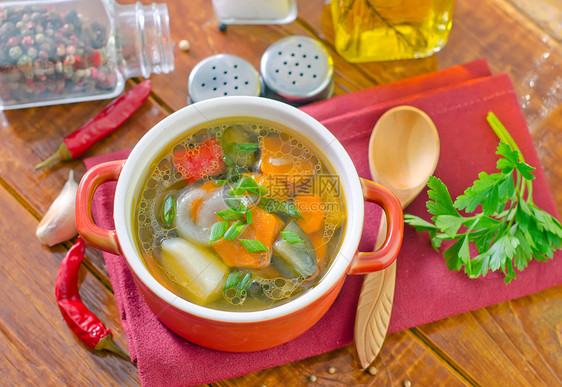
236	204
253	246
230	214
291	237
247	147
259	190
169	210
232	279
244	282
249	219
228	161
234	230
218	230
237	191
247	183
221	182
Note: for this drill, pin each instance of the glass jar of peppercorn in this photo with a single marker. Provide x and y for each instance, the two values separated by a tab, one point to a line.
62	51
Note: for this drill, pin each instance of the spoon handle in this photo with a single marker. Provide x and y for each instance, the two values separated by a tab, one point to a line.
374	308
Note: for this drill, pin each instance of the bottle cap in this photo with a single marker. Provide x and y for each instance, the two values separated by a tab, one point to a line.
220	75
297	70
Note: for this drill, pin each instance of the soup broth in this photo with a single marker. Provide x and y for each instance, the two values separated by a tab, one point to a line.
240	215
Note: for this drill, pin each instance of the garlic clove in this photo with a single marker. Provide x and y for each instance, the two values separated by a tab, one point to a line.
59	223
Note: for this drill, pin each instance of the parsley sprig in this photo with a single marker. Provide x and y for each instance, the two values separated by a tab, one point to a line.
510	229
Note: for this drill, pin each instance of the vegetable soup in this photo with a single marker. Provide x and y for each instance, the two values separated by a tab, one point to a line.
241	215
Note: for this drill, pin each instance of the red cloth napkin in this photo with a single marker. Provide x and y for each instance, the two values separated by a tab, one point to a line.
457	99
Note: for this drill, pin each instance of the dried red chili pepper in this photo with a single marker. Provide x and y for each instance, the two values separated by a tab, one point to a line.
104	123
89	329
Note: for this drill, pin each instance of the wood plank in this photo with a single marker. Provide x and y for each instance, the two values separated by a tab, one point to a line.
513	343
546	14
37	346
401	358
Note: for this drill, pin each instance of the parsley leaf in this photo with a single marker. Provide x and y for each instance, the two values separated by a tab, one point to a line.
509	231
441	199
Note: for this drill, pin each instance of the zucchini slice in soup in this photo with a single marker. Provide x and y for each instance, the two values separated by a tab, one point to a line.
300	256
240	145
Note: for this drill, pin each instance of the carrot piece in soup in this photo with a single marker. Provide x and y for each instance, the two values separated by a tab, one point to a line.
273	162
277	186
209	186
203	160
264	228
311	208
195	207
320	246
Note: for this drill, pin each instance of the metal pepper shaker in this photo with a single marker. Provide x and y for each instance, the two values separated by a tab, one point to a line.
297	70
223	74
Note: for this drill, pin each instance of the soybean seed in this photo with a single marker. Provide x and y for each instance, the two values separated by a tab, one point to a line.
407	383
312	378
332	370
372	370
184	45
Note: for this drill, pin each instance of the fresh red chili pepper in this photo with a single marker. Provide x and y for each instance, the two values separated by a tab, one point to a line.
203	160
89	329
104	123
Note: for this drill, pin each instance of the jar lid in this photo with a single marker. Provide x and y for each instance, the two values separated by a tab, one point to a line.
297	70
220	75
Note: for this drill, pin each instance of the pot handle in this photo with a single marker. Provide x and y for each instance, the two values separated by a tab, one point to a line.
366	262
98	237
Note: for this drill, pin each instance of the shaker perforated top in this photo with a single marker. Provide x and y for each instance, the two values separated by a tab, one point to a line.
297	69
220	75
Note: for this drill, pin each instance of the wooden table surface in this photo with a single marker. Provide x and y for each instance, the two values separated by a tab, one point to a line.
513	343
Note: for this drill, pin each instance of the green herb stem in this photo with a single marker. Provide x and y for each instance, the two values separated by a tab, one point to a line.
503	134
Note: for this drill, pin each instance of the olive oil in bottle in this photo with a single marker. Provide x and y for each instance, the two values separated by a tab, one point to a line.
380	30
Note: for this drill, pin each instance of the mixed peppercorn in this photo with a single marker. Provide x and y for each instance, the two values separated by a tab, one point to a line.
47	52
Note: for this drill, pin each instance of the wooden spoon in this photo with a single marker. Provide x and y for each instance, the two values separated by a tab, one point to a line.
403	154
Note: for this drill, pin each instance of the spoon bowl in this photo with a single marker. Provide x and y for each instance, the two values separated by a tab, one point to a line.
403	151
403	154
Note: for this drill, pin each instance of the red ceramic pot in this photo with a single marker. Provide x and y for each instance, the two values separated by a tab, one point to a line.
226	330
